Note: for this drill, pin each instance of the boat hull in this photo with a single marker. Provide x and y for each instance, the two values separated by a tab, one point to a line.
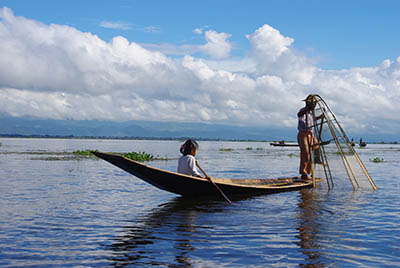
185	185
284	144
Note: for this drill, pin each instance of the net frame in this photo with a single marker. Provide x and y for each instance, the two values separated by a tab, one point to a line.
325	118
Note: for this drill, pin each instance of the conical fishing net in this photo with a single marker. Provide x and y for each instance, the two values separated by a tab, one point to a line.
336	159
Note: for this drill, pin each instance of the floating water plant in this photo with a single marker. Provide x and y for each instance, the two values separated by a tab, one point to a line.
377	160
62	156
249	148
83	153
226	149
141	156
345	153
259	149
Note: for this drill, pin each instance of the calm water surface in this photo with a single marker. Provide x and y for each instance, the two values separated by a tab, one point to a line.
88	213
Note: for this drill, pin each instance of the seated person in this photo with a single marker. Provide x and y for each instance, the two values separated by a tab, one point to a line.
187	162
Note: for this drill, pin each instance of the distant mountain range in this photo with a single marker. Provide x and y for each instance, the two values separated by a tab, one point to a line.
28	126
138	129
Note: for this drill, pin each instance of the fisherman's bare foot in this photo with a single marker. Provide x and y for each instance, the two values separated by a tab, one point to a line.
306	178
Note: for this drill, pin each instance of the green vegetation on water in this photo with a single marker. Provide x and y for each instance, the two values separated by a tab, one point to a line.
377	160
226	149
84	152
249	148
345	153
141	156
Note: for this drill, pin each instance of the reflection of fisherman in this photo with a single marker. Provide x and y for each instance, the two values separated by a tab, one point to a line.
305	136
309	242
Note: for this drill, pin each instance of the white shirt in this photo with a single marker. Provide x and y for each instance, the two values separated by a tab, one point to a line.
305	122
187	165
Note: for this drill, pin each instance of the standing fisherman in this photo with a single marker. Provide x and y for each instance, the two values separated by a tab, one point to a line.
305	136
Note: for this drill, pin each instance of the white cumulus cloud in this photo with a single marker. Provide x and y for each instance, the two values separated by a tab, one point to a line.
217	45
269	42
57	71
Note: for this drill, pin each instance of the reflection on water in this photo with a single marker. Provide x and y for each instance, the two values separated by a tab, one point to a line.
175	228
172	234
89	213
171	227
308	228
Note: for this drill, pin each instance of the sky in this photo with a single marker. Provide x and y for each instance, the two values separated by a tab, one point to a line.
247	63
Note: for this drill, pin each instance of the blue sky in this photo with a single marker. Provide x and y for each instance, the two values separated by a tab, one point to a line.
336	34
244	63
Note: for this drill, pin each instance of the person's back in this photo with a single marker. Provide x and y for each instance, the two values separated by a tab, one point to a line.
187	165
187	162
305	119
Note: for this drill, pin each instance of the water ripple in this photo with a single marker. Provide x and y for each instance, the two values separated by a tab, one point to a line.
90	214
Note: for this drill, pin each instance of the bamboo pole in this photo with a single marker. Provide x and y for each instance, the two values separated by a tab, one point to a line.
331	128
347	141
213	183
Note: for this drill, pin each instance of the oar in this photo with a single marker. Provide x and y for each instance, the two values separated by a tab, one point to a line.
211	181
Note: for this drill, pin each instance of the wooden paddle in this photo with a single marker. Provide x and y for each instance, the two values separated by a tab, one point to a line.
213	183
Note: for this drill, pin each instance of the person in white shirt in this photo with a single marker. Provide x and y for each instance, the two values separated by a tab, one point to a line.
305	137
187	162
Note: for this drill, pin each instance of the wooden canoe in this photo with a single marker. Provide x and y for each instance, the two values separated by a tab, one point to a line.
192	186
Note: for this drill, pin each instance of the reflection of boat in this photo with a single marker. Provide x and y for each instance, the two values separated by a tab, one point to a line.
169	227
171	234
193	186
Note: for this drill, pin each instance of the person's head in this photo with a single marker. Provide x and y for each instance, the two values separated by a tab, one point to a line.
189	147
310	101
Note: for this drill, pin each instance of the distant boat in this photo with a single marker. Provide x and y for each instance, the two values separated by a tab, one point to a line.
352	143
363	144
193	186
294	144
283	143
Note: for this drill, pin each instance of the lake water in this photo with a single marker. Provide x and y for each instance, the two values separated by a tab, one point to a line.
61	212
